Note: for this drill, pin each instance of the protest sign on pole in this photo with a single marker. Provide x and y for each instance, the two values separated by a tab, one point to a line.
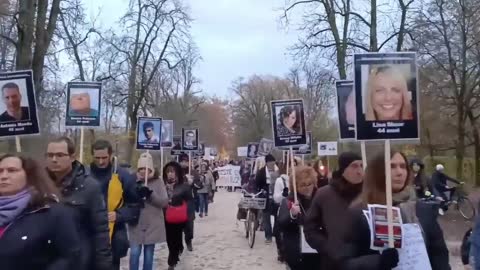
305	149
177	146
190	139
149	132
229	176
265	147
167	133
387	106
288	123
327	148
252	150
242	151
18	111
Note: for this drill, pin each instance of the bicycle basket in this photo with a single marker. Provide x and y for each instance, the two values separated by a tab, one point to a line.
253	203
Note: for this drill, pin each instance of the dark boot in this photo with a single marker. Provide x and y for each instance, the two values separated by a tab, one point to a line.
189	246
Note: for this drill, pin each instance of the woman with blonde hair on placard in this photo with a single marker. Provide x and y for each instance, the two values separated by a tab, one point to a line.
387	94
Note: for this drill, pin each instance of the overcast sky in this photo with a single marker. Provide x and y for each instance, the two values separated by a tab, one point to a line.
235	38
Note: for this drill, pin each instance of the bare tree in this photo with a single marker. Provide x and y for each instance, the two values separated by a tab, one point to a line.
153	32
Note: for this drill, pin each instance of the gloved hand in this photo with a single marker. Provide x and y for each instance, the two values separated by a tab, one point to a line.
144	192
388	259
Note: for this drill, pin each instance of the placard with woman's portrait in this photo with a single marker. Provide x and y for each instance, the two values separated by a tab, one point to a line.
288	123
346	109
386	93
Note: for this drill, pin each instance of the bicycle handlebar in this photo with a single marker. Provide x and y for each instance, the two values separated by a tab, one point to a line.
252	194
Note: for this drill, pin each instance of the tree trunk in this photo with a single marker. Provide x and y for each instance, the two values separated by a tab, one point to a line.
25	26
460	149
476	141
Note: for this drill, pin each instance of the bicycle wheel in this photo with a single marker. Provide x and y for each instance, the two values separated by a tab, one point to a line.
252	219
466	208
247	229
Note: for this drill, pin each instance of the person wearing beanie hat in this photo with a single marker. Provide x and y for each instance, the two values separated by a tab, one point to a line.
150	229
265	179
327	221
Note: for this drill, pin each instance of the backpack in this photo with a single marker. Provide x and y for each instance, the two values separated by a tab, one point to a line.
465	247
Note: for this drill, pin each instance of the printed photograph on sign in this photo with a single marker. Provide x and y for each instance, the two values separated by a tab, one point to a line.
213	151
242	151
386	94
177	146
167	133
327	148
305	149
346	109
149	133
190	139
18	110
201	150
83	106
265	147
252	150
288	122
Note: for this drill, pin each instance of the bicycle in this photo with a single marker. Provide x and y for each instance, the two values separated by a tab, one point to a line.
459	199
463	205
252	203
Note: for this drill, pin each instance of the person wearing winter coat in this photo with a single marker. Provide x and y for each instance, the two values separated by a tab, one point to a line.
421	181
83	197
150	229
326	223
35	231
118	189
291	219
322	178
280	192
179	193
206	188
358	254
192	204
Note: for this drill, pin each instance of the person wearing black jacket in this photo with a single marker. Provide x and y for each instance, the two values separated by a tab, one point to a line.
179	193
265	179
192	204
421	181
35	231
82	195
358	255
291	220
102	170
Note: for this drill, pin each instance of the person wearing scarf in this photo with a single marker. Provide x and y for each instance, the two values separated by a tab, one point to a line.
358	255
327	221
35	231
150	229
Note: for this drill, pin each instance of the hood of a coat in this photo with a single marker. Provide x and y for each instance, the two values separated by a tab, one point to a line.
345	188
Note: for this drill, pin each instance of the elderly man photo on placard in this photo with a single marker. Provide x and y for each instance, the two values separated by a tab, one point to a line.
80	103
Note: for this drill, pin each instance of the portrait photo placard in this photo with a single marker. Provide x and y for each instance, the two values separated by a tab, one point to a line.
189	139
201	150
213	151
18	109
265	147
288	122
177	146
386	96
167	133
346	109
252	150
149	132
83	104
305	149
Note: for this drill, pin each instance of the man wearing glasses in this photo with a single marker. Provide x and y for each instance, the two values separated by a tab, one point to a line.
82	194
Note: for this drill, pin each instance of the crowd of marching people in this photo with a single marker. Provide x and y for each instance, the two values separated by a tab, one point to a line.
71	215
327	211
74	216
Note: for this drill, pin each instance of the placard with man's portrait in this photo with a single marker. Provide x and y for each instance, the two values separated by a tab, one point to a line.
149	132
18	110
177	146
386	96
83	106
189	139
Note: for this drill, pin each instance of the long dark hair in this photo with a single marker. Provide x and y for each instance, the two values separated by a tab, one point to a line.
178	172
42	187
373	191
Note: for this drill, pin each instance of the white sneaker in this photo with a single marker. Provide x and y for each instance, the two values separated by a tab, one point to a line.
441	212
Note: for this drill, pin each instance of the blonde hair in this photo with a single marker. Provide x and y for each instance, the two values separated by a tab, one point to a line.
303	175
406	110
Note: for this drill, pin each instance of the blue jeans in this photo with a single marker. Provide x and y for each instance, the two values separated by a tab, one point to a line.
203	197
135	251
267	223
